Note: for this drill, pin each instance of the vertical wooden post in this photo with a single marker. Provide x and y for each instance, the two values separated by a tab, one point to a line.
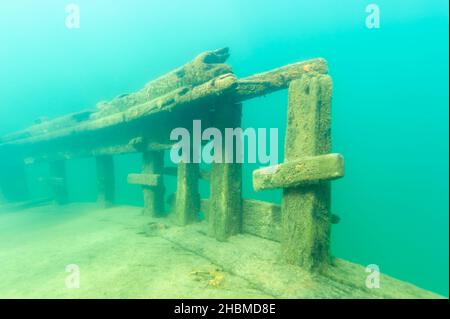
153	163
187	200
105	180
306	209
225	205
58	181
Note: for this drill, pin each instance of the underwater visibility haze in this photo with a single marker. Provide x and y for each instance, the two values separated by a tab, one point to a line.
389	120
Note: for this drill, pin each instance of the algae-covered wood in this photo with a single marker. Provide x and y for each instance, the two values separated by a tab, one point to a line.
306	209
303	171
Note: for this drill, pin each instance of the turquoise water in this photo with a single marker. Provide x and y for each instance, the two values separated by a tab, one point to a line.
390	99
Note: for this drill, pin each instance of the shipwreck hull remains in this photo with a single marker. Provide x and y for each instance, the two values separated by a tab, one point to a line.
204	89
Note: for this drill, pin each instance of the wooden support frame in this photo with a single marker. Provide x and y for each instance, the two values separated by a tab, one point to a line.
131	123
205	88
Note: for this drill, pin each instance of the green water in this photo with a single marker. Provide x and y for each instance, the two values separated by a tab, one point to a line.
390	99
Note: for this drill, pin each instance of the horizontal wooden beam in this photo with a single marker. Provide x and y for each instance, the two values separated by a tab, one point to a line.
201	82
204	94
277	79
304	171
144	179
45	126
244	89
259	218
206	66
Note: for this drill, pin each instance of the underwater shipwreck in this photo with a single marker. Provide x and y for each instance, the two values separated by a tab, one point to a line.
281	250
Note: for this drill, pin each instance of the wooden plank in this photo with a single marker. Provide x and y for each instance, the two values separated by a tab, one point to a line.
277	79
203	68
176	95
202	95
261	219
303	171
206	66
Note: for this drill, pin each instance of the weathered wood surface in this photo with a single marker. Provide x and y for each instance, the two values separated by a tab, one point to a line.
44	126
225	205
187	199
303	171
257	260
277	79
259	218
204	67
306	209
204	81
204	94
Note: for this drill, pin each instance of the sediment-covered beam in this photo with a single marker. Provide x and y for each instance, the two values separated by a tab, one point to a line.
303	171
206	66
277	79
204	94
259	218
44	125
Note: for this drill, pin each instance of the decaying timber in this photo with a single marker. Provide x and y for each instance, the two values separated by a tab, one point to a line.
225	205
304	171
306	210
207	89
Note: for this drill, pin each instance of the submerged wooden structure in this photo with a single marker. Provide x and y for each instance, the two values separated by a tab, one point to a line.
204	89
